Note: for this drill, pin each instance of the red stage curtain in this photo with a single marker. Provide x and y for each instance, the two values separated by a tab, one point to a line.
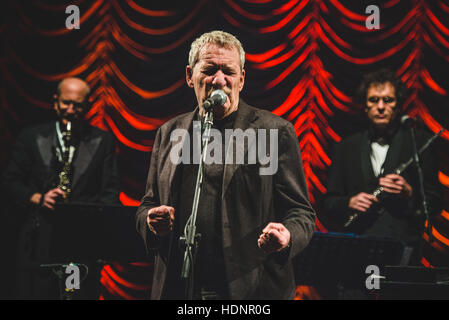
304	60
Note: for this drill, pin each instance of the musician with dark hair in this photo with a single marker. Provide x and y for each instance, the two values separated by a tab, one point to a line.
367	160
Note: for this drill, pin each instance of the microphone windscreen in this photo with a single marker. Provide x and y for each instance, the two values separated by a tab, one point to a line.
219	97
406	120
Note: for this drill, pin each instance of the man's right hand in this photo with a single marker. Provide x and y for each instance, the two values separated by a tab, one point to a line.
160	220
362	201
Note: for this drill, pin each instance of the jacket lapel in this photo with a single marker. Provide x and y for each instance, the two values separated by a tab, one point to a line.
45	143
185	124
84	155
365	160
245	119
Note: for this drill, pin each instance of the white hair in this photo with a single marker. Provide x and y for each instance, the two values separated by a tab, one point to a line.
220	38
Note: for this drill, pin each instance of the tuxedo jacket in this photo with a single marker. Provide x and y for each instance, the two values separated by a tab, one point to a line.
32	166
249	201
351	172
32	169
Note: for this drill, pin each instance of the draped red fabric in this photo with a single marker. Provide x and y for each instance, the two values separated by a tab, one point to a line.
304	59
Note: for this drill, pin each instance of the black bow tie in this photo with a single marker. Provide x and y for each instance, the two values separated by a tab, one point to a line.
382	138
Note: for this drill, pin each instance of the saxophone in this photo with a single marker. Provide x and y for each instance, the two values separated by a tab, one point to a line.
65	174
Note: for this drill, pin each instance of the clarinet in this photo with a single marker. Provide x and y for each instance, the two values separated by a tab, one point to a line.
399	170
377	193
65	174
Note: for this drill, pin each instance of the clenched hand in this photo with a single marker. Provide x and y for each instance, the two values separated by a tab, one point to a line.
160	220
274	238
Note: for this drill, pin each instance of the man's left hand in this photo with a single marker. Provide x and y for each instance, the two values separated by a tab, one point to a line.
396	184
274	238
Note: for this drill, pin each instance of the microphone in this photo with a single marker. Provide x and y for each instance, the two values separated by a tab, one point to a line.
217	98
407	121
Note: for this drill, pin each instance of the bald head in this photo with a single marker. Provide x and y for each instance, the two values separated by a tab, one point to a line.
71	99
73	84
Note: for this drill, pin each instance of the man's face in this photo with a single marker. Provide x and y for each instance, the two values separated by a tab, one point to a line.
71	103
381	105
217	68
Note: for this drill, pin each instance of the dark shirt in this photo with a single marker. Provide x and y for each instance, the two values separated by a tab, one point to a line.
209	272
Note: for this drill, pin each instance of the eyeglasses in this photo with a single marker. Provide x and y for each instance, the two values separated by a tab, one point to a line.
386	100
76	105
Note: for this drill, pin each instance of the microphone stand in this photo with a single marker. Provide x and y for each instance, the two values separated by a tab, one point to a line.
59	269
190	240
421	184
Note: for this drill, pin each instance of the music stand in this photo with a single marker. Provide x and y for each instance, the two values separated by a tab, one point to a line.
92	234
340	259
89	231
414	283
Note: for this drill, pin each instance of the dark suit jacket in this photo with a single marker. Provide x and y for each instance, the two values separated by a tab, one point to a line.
31	168
249	201
351	172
